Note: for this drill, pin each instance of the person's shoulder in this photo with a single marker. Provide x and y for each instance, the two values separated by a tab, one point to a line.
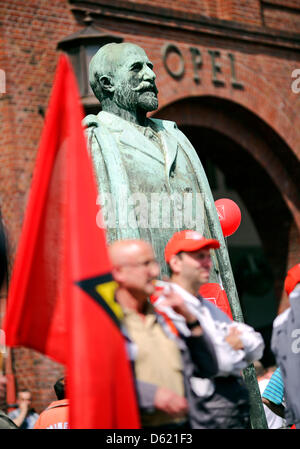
215	311
59	403
280	319
6	422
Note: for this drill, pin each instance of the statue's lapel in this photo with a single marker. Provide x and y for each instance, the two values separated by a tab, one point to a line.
170	145
136	139
129	135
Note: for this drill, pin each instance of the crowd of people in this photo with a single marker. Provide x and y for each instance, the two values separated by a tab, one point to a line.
187	355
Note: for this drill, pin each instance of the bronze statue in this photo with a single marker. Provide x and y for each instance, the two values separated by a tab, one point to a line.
150	179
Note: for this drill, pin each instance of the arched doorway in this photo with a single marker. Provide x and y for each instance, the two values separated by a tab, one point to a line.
245	160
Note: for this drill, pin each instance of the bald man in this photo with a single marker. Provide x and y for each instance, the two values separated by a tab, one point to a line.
162	361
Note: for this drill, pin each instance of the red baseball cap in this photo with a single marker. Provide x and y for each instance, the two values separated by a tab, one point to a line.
292	279
188	240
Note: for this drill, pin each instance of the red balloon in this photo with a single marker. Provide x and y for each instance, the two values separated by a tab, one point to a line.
229	215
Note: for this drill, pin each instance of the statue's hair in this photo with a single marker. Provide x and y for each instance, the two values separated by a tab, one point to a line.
101	64
104	63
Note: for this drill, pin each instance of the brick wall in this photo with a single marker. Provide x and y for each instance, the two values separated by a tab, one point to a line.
246	11
281	15
30	32
36	373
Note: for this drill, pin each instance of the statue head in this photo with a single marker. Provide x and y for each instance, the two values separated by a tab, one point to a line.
122	76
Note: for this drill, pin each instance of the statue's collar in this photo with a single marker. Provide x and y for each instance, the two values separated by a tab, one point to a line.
114	121
130	135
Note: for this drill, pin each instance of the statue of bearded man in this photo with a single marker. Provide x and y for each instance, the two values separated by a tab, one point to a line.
151	182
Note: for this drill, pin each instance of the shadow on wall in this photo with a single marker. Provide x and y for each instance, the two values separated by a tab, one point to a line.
255	285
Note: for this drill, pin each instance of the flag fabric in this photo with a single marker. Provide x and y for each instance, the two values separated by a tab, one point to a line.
214	293
61	294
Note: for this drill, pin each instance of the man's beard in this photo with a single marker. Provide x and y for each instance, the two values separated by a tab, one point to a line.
147	101
144	98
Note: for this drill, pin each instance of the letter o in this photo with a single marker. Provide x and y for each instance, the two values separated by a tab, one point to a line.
296	343
166	51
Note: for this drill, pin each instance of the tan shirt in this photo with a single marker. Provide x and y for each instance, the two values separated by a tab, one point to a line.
158	358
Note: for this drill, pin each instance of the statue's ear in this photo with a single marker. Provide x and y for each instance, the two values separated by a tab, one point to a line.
107	83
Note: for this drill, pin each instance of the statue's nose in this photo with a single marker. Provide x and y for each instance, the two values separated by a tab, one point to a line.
148	73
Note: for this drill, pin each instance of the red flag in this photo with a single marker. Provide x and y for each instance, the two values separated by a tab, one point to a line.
215	294
61	296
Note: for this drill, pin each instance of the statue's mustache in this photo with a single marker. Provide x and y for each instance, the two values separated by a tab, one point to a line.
145	86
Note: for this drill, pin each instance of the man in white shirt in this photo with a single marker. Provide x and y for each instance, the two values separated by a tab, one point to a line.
274	411
221	402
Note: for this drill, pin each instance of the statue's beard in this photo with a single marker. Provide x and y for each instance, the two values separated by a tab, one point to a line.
144	98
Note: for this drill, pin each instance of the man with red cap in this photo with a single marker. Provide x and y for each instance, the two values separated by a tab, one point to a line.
285	345
221	402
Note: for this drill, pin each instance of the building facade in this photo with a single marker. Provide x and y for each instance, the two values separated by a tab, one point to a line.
228	73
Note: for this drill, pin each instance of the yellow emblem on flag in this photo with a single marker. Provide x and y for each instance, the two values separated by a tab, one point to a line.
107	293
